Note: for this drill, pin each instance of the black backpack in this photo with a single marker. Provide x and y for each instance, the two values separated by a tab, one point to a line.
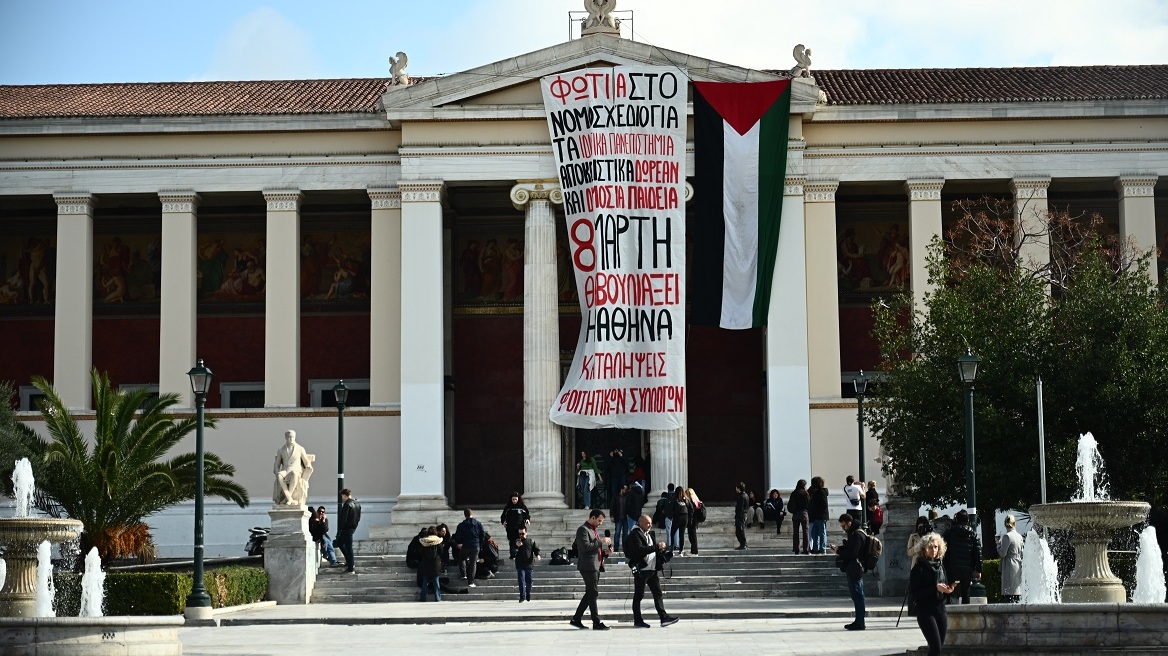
700	513
560	556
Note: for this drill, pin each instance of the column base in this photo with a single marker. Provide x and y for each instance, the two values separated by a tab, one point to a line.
416	510
545	500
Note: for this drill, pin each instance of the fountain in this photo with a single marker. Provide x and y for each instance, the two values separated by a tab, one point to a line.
45	590
27	631
1094	615
22	535
92	585
1150	587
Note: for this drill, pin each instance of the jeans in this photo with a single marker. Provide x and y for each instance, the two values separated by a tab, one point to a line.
591	592
327	550
933	625
524	574
640	580
621	529
344	542
585	491
677	535
819	535
468	562
856	590
669	544
431	583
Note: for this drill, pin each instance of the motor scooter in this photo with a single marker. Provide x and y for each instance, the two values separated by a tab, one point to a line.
255	543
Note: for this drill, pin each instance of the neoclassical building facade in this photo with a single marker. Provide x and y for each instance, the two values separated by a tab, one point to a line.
406	236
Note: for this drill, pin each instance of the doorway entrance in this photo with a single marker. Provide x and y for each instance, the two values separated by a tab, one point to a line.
598	444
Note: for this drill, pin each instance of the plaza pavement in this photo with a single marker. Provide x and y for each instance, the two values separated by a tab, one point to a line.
488	628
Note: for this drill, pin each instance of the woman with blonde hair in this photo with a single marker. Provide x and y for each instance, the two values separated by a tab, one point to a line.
929	589
697	514
1010	551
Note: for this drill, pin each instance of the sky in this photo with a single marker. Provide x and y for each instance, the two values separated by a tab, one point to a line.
82	41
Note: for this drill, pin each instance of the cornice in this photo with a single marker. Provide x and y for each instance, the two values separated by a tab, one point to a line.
1136	185
793	185
916	150
178	201
203	162
385	199
924	189
75	203
820	191
283	200
421	191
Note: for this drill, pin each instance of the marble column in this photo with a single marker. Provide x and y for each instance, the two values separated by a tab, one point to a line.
668	459
823	328
788	448
385	273
1030	216
541	342
177	328
1137	215
423	454
73	304
924	223
282	382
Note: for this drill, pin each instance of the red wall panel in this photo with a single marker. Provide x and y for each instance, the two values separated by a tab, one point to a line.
26	350
333	347
858	349
126	348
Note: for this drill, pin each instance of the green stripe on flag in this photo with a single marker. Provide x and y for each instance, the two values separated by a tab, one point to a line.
772	173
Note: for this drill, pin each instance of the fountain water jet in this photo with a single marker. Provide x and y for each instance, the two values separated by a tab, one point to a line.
1150	588
1039	571
45	588
92	586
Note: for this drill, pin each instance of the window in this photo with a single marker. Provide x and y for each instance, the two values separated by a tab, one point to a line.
320	392
29	396
241	395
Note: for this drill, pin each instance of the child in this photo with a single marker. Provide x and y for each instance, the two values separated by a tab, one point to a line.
526	553
875	518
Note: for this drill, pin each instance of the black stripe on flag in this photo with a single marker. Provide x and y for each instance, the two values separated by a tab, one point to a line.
708	230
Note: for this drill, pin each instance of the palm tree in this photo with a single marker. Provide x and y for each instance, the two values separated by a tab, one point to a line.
124	479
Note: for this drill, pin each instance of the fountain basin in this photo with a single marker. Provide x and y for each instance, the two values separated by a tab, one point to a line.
91	636
1058	628
1093	523
21	537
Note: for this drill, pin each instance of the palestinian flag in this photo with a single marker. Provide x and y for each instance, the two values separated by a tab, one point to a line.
740	163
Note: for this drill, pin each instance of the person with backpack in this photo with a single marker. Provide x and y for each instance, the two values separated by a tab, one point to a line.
679	510
514	517
854	494
662	518
347	521
849	558
697	516
963	555
773	508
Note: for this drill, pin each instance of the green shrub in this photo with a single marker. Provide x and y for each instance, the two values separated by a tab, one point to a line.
991	578
163	593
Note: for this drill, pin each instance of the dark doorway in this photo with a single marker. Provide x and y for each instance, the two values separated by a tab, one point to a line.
599	443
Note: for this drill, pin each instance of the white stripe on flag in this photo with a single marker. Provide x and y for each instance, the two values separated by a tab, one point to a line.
740	205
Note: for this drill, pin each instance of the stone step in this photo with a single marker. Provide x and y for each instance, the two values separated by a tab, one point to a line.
560	595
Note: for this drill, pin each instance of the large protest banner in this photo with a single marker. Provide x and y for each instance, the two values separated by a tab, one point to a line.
619	140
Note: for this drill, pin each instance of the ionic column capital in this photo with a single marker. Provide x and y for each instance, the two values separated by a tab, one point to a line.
385	198
1031	188
1136	185
820	191
283	200
924	189
793	185
75	203
528	190
179	201
421	191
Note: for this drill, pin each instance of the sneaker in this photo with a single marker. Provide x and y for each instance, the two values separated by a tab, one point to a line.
641	625
740	548
577	623
521	600
350	571
599	626
668	620
854	627
472	585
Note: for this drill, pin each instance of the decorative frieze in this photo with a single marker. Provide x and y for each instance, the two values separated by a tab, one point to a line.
175	202
283	200
421	192
528	190
924	189
74	203
793	185
1136	185
820	191
385	199
1034	188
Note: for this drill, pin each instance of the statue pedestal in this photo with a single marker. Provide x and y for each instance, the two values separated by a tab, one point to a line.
290	556
900	518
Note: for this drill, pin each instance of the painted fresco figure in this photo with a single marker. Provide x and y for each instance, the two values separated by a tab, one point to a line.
513	259
472	279
491	266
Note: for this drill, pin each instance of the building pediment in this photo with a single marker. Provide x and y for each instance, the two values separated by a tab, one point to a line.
510	88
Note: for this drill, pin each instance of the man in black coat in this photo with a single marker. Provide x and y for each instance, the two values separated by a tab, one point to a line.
848	557
617	471
962	555
634	504
646	558
740	509
347	521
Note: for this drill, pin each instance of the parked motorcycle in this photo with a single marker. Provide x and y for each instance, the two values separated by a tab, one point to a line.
255	544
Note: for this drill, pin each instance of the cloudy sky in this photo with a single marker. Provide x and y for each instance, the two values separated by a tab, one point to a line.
59	41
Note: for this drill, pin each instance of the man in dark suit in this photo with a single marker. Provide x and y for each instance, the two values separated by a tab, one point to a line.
592	548
646	557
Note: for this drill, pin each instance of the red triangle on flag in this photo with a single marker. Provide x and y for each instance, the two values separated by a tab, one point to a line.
742	104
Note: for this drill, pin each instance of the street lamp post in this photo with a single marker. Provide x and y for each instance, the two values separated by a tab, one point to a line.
341	395
198	599
967	370
860	384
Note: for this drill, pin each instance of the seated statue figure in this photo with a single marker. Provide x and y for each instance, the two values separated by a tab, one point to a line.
293	468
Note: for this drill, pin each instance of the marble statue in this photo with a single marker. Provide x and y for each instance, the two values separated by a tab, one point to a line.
397	70
293	468
600	18
803	57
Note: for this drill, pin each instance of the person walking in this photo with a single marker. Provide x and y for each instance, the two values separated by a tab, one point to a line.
697	515
646	558
680	512
526	553
797	505
350	517
1010	551
430	563
848	559
930	589
469	537
740	508
774	508
514	517
318	527
592	549
817	514
962	555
